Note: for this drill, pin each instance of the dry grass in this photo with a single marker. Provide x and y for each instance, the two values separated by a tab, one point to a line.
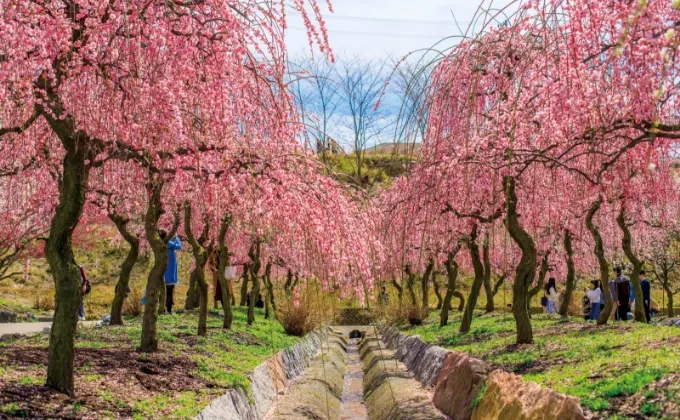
133	303
44	302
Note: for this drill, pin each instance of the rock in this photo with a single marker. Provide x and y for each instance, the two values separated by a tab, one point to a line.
106	319
429	366
277	372
31	316
46	330
677	323
507	396
10	337
460	381
7	317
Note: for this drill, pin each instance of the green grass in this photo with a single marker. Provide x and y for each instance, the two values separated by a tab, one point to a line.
223	359
593	363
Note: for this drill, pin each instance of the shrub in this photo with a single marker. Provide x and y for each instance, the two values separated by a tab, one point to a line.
297	321
415	315
44	301
133	303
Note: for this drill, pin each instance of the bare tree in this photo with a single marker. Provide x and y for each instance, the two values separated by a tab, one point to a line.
664	257
411	81
317	95
363	83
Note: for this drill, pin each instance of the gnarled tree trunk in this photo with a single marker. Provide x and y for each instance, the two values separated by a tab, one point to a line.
425	285
400	290
156	275
193	299
525	270
437	292
602	262
410	280
125	269
451	276
488	290
478	268
269	296
542	273
255	265
201	254
244	285
627	245
59	255
571	275
224	260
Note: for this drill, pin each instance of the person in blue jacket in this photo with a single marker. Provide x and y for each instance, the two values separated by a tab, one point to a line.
646	294
174	245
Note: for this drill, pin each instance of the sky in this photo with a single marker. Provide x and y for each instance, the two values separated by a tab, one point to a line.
380	28
376	30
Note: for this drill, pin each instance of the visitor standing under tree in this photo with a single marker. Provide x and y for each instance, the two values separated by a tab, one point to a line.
646	293
551	294
623	295
595	296
171	276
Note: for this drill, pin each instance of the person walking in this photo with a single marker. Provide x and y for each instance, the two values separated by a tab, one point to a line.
615	296
595	297
171	276
646	294
552	295
623	295
384	298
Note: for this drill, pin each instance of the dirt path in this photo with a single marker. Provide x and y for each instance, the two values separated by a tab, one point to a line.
353	406
28	328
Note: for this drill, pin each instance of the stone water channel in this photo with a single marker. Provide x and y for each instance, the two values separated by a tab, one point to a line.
355	377
384	375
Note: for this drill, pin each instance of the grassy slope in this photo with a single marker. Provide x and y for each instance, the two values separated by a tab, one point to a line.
600	365
113	380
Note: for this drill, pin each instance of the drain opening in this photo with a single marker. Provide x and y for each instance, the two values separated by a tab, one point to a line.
356	334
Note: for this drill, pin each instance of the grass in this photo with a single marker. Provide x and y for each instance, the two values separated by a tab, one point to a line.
596	364
177	382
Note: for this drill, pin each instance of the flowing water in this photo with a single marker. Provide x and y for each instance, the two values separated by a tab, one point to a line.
352	400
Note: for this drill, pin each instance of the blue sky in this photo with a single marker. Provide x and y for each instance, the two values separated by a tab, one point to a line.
388	29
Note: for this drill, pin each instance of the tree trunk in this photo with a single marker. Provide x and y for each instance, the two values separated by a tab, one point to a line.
400	290
488	290
671	312
269	296
627	245
461	300
289	283
451	276
244	285
201	255
425	286
602	262
121	290
571	275
59	255
156	275
410	280
437	293
542	273
478	268
525	270
193	300
254	254
224	261
163	296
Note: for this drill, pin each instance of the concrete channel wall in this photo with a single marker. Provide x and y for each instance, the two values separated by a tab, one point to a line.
266	380
468	388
